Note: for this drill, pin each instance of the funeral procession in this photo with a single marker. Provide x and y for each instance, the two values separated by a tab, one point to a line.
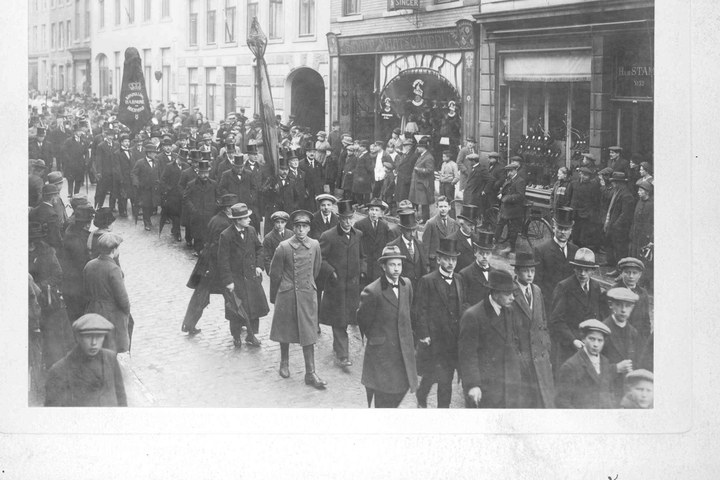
341	204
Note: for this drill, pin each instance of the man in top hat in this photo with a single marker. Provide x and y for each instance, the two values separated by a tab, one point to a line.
343	266
553	255
512	206
166	156
324	219
172	193
225	159
376	233
205	277
295	265
384	319
585	380
89	375
107	171
631	272
575	299
617	162
438	306
404	165
415	263
240	266
56	178
40	148
187	176
75	156
463	164
75	255
618	220
145	177
278	234
476	276
46	215
422	185
279	193
314	175
126	158
476	185
585	199
624	345
467	222
36	182
442	225
199	201
489	349
531	326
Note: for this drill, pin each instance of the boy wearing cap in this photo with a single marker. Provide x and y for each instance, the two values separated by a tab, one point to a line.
415	263
631	272
442	225
376	233
274	237
324	218
293	270
384	318
585	379
624	344
89	375
639	390
439	303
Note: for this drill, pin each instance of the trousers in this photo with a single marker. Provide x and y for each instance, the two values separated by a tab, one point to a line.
384	399
513	226
340	342
442	375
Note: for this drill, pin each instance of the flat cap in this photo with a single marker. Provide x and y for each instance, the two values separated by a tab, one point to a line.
622	294
280	215
38	163
628	262
594	325
638	376
493	155
92	324
109	240
473	156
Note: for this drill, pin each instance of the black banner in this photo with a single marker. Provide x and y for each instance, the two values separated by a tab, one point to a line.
134	111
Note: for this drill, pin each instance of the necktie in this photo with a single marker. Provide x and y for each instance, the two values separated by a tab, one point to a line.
446	278
586	289
242	235
444	222
374	223
327	220
528	295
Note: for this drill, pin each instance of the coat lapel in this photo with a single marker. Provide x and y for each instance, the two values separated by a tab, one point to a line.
496	321
522	302
589	366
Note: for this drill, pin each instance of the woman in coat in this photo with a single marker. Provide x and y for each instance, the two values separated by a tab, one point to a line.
57	337
293	269
422	184
105	290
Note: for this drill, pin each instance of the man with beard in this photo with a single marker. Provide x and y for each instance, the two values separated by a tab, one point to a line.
172	193
199	200
279	193
145	177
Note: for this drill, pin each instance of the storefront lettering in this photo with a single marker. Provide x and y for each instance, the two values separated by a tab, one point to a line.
428	41
634	72
403	4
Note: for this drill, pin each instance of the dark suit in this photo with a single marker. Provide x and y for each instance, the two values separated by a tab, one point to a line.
617	224
478	178
476	284
585	199
553	266
467	251
314	180
570	306
74	153
246	185
279	197
434	231
404	167
108	171
146	181
438	307
622	344
75	255
172	194
413	266
126	160
580	386
318	225
270	243
389	362
373	242
41	152
199	199
512	209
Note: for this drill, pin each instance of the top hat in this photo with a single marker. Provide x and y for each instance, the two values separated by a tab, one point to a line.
195	155
448	247
408	221
345	208
594	325
239	210
325	196
36	230
524	259
228	200
206	154
183	153
104	217
376	202
468	213
84	213
251	149
483	240
618	177
203	166
390	252
584	257
238	159
92	324
501	281
282	163
301	216
564	217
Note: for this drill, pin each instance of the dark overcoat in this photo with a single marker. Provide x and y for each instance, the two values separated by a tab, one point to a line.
478	178
477	286
206	264
74	258
187	176
422	184
405	164
44	152
364	174
172	193
314	179
512	202
585	199
434	231
413	267
35	185
79	381
622	344
579	385
621	213
642	229
146	181
279	197
237	260
552	266
343	255
270	244
373	242
105	289
384	319
74	157
318	225
293	270
465	248
199	201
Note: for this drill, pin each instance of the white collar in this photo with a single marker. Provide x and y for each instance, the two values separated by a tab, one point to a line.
561	245
496	306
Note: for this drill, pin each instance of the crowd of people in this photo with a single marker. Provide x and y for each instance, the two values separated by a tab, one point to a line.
428	304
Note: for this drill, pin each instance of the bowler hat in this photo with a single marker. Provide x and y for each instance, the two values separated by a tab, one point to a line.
55	178
50	189
376	202
448	247
280	215
564	217
251	149
469	213
92	324
390	252
345	208
524	259
195	155
483	240
593	325
36	230
408	221
584	257
396	131
103	217
84	213
239	210
325	196
301	216
470	138
203	166
622	294
228	200
124	136
501	280
618	177
630	262
292	157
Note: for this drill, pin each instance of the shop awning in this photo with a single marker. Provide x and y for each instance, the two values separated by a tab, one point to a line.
547	67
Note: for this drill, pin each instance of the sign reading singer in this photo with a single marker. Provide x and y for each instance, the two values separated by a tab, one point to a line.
403	5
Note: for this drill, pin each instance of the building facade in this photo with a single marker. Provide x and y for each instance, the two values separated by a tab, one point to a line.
561	77
407	64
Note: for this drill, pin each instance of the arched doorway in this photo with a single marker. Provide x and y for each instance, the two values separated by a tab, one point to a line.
103	75
307	98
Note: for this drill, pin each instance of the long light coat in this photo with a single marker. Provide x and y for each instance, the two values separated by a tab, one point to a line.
105	289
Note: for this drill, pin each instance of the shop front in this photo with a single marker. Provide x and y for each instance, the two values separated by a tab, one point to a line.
420	82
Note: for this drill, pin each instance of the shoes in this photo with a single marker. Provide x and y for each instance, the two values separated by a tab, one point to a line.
252	341
345	362
191	331
177	237
284	370
147	228
314	381
237	342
